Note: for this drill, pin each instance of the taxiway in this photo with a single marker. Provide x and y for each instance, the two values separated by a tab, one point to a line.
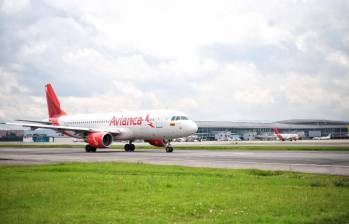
323	162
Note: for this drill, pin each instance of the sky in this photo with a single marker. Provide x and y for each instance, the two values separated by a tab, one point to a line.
214	60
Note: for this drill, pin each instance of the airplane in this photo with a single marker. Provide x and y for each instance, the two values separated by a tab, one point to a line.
283	137
328	137
265	137
99	130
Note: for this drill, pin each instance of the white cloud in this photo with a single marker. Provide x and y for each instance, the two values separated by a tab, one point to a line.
16	100
276	60
339	58
34	50
14	6
256	96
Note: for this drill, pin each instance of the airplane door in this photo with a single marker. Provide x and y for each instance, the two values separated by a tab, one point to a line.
159	123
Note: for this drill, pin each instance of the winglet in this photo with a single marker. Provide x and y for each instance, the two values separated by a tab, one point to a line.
53	104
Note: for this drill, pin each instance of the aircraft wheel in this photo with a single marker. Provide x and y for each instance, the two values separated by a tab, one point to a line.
88	148
129	147
169	149
93	149
132	147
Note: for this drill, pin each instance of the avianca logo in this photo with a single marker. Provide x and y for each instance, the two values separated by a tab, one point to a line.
149	122
130	121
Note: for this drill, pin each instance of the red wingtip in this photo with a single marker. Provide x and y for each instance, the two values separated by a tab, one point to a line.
53	105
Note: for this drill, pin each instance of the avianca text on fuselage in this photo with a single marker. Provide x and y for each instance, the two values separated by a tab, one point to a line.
126	121
129	121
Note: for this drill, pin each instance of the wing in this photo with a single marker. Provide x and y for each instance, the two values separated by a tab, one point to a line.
38	122
77	130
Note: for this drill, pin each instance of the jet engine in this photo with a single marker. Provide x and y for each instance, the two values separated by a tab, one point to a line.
99	139
157	142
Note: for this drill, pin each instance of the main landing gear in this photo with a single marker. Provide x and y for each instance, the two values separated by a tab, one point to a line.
89	148
169	148
129	147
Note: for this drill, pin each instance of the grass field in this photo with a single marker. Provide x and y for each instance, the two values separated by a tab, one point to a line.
138	193
191	147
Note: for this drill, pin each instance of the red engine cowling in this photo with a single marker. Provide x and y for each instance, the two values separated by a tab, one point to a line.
99	139
157	142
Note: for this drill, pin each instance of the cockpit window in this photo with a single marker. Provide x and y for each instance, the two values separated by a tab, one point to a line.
179	118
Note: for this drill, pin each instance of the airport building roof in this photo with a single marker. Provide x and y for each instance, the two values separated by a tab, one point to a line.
287	124
314	122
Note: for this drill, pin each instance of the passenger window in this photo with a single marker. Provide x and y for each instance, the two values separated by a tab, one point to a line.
173	118
178	118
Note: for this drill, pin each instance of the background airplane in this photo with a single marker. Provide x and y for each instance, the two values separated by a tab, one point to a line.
286	136
157	127
323	138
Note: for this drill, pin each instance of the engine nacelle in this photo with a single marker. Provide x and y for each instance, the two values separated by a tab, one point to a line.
157	142
99	139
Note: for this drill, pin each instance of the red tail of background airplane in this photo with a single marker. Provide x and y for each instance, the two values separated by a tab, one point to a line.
277	133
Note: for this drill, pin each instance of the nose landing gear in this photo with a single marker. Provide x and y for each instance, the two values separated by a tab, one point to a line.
169	148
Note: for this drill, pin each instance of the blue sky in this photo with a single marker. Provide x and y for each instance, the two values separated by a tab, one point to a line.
215	60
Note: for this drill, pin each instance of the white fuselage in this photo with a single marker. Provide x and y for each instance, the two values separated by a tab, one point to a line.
328	137
146	125
288	136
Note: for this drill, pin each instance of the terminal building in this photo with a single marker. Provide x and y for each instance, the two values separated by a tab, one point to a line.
305	128
11	135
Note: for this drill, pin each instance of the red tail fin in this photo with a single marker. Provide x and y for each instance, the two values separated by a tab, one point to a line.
53	105
277	133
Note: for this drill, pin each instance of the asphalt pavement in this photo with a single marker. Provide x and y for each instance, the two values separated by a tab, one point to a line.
323	162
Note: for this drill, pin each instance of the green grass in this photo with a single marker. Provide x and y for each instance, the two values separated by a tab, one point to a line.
138	193
190	147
